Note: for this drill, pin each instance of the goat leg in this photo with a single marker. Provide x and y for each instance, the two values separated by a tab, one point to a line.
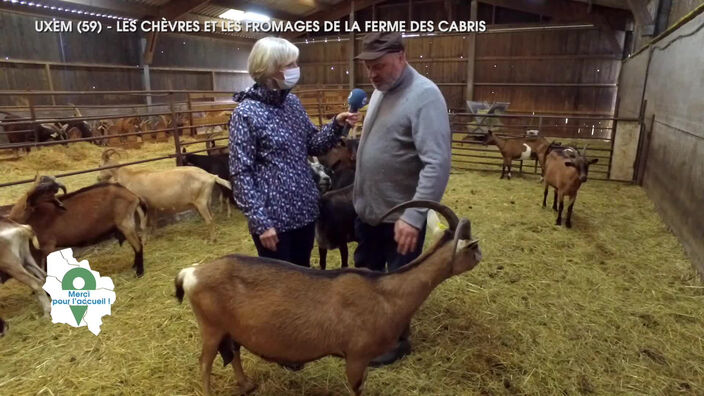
323	253
568	222
559	209
211	340
343	255
356	374
244	384
545	196
21	275
554	200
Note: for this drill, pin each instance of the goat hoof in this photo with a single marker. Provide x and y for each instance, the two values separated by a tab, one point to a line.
558	222
246	388
568	224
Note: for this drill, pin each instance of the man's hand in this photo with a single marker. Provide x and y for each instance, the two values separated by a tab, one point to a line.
269	239
406	237
347	118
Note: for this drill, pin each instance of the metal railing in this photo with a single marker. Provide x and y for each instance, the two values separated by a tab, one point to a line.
179	104
468	153
469	129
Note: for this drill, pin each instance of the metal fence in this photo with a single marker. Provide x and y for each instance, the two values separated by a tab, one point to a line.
597	134
321	104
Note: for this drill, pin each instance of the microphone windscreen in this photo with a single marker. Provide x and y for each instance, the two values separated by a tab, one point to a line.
357	99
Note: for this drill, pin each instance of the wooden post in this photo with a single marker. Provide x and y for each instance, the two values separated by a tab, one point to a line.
535	166
47	70
33	116
212	79
190	114
320	108
175	131
448	10
350	50
614	124
470	48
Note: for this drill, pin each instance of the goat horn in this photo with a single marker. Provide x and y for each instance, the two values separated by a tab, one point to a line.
446	212
584	150
463	231
61	187
107	153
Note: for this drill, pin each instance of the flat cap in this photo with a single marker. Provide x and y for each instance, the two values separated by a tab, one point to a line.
377	44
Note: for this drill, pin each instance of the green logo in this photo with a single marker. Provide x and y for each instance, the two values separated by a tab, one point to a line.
68	283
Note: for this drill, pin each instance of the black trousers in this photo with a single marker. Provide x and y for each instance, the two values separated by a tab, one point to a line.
377	248
294	246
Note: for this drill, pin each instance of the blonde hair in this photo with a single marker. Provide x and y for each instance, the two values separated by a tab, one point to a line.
268	55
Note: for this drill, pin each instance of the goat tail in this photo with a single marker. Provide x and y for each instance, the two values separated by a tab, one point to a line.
29	233
184	282
223	182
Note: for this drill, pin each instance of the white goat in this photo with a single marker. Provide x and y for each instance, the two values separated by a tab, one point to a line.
16	259
173	190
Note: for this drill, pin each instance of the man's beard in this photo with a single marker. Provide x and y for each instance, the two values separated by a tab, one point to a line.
383	87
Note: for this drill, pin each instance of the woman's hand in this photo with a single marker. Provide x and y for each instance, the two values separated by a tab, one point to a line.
347	118
269	239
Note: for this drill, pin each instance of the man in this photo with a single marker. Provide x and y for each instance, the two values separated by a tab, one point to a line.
404	154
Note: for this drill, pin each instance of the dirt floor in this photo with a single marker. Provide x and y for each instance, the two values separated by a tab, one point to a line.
611	306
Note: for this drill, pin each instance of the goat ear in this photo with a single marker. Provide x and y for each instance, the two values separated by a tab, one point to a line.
593	161
569	163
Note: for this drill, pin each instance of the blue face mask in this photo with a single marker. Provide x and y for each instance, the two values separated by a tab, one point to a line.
291	77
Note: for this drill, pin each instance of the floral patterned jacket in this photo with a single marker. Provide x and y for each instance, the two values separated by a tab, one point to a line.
271	137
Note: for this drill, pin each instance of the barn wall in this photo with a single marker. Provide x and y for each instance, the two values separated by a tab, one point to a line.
674	141
20	41
570	71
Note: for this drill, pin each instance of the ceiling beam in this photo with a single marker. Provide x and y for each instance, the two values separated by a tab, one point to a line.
176	9
133	9
340	10
244	5
639	8
539	7
620	4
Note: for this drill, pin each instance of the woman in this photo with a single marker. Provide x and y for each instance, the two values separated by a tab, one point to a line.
271	138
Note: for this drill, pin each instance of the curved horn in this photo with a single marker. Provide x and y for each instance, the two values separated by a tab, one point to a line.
62	187
463	231
446	212
107	153
584	150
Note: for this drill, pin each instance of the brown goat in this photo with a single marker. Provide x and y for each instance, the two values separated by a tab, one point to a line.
518	148
82	217
166	191
292	315
565	171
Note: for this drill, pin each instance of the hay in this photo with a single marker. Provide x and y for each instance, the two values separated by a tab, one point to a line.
609	307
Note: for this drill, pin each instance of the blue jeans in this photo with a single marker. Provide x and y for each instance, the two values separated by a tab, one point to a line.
377	248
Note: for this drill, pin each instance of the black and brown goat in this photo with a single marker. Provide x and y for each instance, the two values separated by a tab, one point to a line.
335	225
565	171
342	160
83	217
518	148
292	315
